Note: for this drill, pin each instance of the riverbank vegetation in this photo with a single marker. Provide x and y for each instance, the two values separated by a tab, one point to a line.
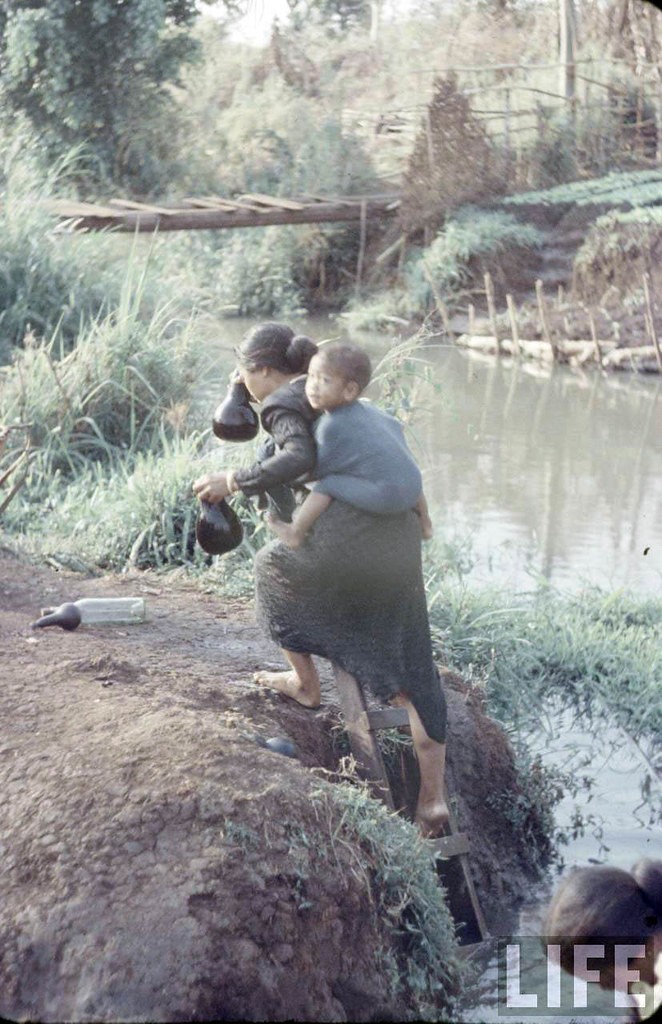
100	433
333	105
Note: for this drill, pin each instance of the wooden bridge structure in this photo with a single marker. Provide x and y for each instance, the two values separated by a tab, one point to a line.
252	210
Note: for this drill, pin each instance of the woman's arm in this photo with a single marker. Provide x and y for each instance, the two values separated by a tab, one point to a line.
294	457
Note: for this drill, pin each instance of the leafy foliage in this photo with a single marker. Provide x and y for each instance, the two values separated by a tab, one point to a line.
466	236
93	73
46	280
628	189
335	15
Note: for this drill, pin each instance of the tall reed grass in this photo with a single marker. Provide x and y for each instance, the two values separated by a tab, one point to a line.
112	393
48	280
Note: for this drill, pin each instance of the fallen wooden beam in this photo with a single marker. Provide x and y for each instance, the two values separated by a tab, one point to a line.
644	357
219	218
579	349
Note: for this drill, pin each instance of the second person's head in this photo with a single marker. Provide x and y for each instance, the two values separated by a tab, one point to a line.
337	375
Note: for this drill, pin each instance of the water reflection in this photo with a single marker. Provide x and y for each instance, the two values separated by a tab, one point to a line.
551	473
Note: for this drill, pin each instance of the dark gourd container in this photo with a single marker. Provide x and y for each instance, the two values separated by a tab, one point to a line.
235	419
218	529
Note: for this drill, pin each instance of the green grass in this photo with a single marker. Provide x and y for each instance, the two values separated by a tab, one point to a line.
110	395
47	280
595	651
631	188
421	962
451	261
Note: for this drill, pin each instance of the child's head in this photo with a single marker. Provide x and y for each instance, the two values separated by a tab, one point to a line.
337	375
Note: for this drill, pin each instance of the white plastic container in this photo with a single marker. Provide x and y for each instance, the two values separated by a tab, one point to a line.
99	610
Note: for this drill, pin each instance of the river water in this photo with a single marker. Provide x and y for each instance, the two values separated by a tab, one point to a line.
541	474
538	472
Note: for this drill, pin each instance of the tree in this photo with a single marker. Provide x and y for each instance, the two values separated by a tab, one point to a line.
335	15
94	72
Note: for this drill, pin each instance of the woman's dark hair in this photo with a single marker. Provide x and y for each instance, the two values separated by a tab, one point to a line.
277	347
349	361
598	903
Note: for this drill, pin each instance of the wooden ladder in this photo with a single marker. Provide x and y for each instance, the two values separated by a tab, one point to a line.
451	850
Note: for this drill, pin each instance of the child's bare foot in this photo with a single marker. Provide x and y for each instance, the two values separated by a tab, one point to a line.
284	531
289	684
427	530
432	819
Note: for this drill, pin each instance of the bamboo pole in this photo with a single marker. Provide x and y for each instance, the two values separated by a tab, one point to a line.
489	292
594	337
512	313
12	494
361	257
439	302
392	249
544	322
651	323
428	134
471	312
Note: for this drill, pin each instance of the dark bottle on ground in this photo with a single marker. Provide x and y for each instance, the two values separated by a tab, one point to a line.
67	616
235	419
218	529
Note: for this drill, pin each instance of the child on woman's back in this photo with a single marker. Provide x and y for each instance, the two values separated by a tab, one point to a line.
362	455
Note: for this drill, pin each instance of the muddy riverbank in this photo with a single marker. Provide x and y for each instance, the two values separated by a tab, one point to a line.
144	831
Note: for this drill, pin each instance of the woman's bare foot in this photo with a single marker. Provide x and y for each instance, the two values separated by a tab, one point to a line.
289	684
432	819
284	531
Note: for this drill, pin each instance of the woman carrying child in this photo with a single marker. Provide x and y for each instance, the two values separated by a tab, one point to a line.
351	589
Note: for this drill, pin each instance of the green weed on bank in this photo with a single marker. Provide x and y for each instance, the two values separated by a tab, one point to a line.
597	652
422	963
48	280
109	395
446	266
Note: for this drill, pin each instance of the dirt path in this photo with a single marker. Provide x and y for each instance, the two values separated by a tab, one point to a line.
157	863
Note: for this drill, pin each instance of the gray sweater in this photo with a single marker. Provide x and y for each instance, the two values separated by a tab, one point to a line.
363	459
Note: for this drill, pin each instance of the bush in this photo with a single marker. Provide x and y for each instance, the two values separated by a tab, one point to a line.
256	273
111	393
554	157
47	280
454	257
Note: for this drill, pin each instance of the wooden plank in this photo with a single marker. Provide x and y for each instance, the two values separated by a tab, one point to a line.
463	860
387	718
73	208
130	204
362	741
208	204
282	204
450	846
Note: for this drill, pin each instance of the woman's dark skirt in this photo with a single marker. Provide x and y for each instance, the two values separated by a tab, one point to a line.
353	593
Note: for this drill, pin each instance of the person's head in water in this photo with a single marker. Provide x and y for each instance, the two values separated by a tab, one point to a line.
596	904
337	375
270	355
